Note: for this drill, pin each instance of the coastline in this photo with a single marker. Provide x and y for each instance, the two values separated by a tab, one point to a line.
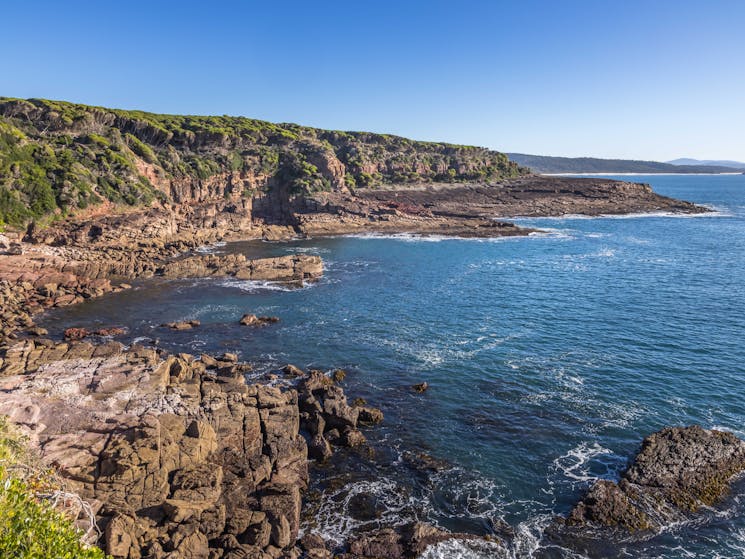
70	265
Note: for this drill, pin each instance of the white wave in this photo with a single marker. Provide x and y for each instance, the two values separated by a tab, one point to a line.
306	250
332	519
255	286
602	253
737	432
528	536
465	549
434	353
433	238
141	339
211	248
471	495
575	464
407	237
553	233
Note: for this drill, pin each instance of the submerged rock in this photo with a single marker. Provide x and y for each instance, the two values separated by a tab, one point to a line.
76	333
182	325
420	387
253	320
37	331
111	331
676	472
293	371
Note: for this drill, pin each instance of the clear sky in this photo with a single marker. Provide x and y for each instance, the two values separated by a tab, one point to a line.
652	79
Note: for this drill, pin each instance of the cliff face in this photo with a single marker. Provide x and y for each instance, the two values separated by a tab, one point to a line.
58	158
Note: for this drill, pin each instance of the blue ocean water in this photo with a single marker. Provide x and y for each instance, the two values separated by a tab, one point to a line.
548	358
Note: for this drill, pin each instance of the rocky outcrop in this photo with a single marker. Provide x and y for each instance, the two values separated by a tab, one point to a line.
470	210
178	461
178	456
47	276
291	268
253	320
35	284
327	416
182	325
677	471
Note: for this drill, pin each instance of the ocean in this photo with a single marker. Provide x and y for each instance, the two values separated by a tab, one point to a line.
548	358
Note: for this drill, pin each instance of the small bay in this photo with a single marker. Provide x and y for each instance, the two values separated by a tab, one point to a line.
548	358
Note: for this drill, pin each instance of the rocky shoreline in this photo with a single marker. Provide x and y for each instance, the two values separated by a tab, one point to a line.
477	210
91	254
180	456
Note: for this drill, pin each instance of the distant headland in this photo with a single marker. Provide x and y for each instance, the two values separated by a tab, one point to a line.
545	164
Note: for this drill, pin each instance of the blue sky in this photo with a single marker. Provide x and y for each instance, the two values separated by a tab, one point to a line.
652	79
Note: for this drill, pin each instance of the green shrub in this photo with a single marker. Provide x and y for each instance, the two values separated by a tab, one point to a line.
98	140
141	149
30	528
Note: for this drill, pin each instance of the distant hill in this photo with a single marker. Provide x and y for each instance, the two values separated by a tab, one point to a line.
714	162
548	164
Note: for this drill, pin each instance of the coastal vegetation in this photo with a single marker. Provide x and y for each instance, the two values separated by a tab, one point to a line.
58	157
30	526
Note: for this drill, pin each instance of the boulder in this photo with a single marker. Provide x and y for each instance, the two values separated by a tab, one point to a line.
76	333
353	438
676	472
253	320
420	387
293	371
111	331
369	415
319	448
181	325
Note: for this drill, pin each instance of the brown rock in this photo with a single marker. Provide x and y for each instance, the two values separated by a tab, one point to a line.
319	448
293	371
111	331
76	333
209	361
421	387
677	470
120	537
183	325
370	416
382	543
253	320
353	438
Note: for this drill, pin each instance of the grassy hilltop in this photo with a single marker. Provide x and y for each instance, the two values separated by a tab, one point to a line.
57	157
